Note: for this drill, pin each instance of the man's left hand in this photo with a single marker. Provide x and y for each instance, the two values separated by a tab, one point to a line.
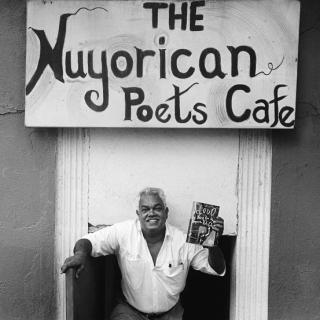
218	226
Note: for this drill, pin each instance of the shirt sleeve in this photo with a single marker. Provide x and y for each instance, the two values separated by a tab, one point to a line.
198	256
104	241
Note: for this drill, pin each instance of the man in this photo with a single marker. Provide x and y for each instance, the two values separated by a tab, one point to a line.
154	259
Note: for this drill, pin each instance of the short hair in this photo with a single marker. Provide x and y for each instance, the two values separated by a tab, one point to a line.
154	191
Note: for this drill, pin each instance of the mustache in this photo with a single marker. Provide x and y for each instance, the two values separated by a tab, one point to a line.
152	217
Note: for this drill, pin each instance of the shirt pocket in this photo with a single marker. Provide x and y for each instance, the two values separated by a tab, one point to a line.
175	277
133	271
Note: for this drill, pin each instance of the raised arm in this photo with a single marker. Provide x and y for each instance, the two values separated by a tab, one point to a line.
215	257
82	250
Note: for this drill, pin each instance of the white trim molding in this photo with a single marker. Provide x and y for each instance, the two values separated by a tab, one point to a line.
250	267
72	186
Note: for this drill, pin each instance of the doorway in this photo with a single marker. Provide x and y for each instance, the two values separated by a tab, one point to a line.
251	189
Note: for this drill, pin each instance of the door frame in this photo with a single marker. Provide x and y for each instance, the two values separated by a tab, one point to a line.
250	262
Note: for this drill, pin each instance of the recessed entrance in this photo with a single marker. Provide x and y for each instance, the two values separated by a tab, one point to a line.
251	190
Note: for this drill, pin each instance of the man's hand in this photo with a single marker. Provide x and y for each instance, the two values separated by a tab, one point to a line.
82	250
77	262
218	226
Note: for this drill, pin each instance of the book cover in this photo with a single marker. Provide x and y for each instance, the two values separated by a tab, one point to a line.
200	230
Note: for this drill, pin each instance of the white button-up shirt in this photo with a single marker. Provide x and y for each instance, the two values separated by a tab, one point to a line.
148	287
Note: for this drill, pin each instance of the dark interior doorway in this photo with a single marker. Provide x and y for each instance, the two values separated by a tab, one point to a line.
207	297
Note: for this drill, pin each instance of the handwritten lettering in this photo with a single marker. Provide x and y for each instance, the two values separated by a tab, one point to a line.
175	15
180	63
261	112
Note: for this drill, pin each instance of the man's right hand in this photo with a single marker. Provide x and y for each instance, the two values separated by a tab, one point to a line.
77	262
82	250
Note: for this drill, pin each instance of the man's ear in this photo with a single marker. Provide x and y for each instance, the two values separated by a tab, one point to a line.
166	211
137	212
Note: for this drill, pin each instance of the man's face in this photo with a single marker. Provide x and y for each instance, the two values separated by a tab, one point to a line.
152	213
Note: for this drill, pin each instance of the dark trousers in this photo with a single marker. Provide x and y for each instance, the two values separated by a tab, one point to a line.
123	311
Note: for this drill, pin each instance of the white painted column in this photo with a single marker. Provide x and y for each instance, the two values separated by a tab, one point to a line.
250	270
72	187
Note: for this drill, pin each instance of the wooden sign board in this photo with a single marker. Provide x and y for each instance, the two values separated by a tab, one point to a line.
191	64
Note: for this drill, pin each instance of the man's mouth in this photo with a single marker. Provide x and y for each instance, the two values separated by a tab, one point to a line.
153	219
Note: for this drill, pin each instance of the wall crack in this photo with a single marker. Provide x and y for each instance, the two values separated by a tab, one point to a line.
5	110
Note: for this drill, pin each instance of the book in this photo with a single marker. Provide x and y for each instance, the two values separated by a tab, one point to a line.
200	230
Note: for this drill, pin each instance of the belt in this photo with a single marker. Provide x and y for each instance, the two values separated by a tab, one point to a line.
150	315
153	315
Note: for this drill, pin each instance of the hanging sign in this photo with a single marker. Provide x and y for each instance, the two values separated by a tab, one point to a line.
178	64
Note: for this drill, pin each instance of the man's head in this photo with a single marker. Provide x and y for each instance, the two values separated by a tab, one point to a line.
152	210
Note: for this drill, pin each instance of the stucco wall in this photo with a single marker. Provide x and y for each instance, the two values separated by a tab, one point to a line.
295	221
27	164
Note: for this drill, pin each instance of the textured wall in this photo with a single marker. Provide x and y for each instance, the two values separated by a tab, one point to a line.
295	222
27	164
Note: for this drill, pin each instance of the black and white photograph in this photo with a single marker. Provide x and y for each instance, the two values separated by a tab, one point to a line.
160	159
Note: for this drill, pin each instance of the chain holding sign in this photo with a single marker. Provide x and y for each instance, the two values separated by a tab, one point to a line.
193	64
